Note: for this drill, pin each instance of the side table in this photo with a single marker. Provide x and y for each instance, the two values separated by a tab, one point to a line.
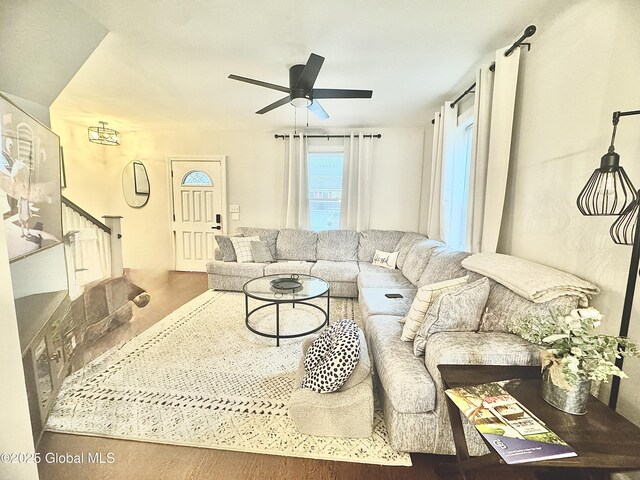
604	440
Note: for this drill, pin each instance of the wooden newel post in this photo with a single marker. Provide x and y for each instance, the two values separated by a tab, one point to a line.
114	223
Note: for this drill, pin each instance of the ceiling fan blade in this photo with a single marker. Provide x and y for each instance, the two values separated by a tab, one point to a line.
310	72
260	83
317	109
279	103
338	93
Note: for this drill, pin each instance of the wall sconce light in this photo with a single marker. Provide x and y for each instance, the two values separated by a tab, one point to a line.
104	135
610	192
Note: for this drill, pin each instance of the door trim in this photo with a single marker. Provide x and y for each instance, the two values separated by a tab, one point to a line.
222	160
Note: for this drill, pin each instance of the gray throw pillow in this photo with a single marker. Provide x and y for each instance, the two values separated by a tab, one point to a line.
456	311
226	247
261	252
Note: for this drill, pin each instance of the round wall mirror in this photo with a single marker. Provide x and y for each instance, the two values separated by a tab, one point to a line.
135	184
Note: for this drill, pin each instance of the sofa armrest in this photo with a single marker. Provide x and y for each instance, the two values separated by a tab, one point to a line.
483	348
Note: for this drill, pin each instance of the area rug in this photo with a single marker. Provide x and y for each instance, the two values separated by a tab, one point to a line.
200	378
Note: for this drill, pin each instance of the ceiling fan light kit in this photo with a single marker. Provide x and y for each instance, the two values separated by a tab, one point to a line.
301	93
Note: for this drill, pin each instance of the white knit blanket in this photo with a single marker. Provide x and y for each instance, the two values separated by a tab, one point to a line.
535	282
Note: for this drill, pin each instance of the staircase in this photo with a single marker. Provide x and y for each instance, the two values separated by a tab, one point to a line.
93	248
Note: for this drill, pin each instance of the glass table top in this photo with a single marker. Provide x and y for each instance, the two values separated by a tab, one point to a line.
262	288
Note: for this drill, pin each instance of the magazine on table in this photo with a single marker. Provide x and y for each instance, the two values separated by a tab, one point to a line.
515	433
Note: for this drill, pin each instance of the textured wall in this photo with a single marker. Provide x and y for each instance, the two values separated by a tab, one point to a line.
571	81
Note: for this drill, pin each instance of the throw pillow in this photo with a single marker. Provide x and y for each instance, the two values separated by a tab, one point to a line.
226	247
332	357
385	259
242	247
261	252
423	300
456	311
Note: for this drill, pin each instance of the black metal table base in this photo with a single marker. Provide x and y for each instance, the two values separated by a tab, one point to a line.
277	304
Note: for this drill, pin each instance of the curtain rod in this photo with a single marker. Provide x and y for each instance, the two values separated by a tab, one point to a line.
283	136
528	32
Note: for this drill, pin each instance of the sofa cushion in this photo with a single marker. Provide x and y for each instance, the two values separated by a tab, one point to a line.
371	268
373	301
504	307
444	264
295	244
404	377
269	235
335	271
459	310
408	240
338	245
387	279
226	247
417	259
372	240
283	266
234	269
471	348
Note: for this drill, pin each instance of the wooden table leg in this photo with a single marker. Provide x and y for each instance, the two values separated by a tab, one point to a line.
462	450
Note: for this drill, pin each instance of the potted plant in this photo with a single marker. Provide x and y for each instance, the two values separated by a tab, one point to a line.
574	355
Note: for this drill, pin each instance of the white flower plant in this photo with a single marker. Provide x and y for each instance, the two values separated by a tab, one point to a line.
573	351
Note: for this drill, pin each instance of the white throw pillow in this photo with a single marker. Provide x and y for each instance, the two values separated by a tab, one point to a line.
385	259
242	246
423	300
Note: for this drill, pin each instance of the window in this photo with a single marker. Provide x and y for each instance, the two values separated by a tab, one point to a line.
197	179
325	189
456	194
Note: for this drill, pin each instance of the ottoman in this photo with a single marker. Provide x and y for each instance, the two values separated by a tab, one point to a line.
347	412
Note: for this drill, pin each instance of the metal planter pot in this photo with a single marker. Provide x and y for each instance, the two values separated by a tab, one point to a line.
571	401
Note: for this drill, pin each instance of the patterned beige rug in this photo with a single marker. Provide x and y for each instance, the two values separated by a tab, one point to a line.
200	378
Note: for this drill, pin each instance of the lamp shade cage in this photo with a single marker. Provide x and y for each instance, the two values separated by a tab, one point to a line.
623	229
609	190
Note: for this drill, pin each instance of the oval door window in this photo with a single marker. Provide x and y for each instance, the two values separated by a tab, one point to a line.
197	178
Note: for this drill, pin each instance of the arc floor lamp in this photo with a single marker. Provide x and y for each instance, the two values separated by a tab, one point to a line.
609	191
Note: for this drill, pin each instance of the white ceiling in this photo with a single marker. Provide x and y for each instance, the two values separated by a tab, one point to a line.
165	63
42	45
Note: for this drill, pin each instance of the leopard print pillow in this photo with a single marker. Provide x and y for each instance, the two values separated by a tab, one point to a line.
332	357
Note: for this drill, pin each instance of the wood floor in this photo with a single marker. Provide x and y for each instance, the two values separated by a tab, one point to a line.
142	460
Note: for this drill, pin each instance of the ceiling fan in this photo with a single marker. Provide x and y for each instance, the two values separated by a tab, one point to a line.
300	92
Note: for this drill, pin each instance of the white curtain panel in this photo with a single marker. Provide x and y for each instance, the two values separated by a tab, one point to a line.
499	149
295	208
355	208
479	158
442	153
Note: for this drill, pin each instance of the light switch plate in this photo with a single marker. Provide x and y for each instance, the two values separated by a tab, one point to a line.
234	208
235	216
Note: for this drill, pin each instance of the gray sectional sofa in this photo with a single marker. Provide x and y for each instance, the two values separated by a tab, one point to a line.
410	387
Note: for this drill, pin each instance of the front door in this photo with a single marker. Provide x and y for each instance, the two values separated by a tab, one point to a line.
198	206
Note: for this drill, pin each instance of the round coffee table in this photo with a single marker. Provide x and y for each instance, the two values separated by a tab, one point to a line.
293	288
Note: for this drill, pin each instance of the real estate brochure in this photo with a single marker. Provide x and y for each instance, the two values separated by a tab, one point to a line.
515	433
